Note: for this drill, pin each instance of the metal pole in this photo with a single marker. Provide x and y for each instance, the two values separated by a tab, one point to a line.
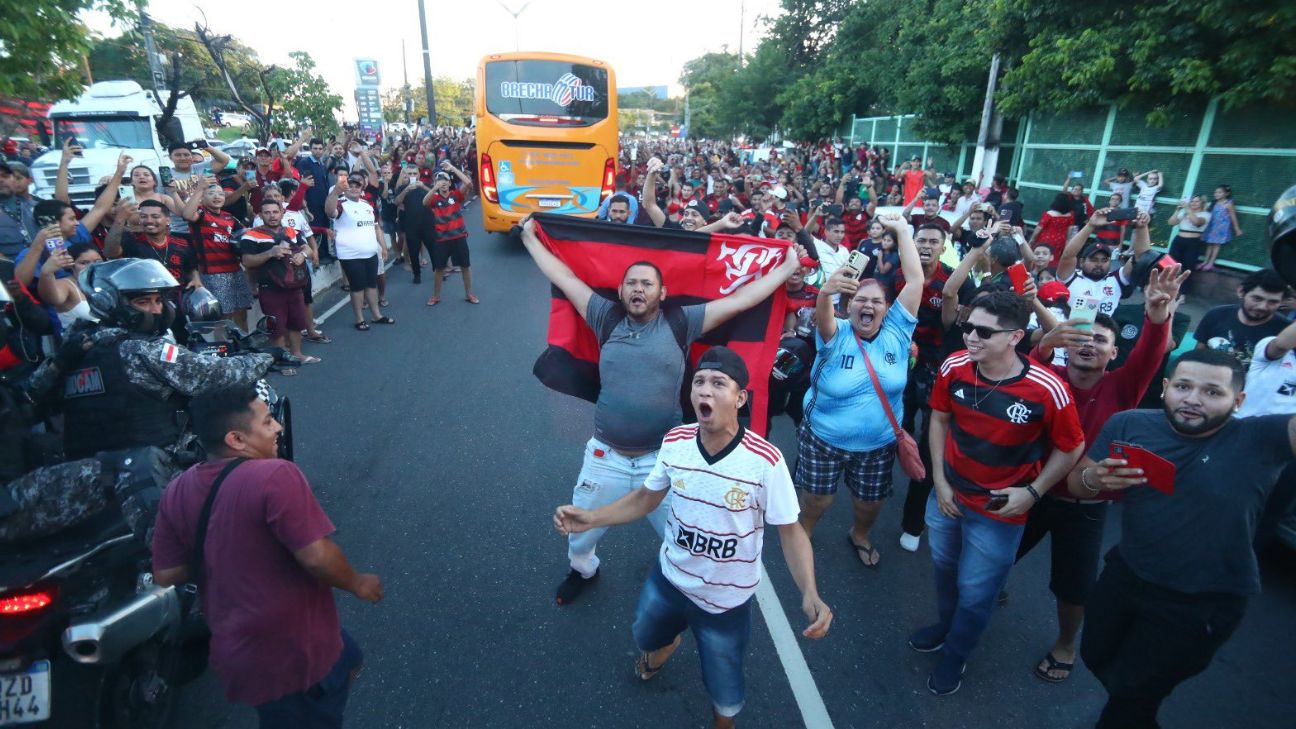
406	89
986	159
154	60
427	65
742	7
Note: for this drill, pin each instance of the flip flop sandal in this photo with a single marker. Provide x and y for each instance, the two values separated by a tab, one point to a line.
319	339
865	553
645	670
362	326
433	300
308	359
288	371
1053	665
346	288
472	299
384	302
384	320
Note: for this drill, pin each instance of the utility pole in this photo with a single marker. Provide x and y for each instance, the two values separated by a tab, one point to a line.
986	160
154	60
409	103
742	7
515	14
427	66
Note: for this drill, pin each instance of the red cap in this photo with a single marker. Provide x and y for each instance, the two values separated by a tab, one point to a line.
1054	291
673	207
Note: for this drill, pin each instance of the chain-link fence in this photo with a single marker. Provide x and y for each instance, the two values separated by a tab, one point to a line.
1253	150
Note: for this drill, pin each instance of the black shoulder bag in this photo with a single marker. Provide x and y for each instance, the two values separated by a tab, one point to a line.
196	569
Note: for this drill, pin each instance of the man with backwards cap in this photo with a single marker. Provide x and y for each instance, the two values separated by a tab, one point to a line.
729	483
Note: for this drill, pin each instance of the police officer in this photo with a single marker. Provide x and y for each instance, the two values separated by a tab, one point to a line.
129	388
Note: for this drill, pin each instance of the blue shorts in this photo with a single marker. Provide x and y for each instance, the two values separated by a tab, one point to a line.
664	612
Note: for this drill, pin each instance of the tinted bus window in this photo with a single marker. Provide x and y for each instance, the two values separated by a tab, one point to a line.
546	93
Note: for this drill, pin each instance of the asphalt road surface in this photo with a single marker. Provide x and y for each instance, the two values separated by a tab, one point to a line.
440	458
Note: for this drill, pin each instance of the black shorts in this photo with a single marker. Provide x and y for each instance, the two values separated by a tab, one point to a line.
1076	544
442	252
361	273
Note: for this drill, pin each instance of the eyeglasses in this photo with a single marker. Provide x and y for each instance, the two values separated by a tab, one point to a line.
982	332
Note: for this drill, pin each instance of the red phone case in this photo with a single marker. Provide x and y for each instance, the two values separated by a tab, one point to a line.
1159	472
1017	274
1166	262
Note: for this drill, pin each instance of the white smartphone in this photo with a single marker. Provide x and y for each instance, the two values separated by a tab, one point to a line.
1085	310
857	262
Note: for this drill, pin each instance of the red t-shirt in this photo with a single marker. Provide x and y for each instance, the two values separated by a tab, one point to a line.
806	298
1001	433
216	253
857	225
275	628
914	182
1053	232
1119	389
447	216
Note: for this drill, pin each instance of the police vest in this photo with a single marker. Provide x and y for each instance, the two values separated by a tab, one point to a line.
104	410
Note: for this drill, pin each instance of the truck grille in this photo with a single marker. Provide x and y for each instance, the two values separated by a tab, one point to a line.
76	176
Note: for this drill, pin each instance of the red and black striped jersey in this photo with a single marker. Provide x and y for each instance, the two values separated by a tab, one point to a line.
216	243
447	215
1001	432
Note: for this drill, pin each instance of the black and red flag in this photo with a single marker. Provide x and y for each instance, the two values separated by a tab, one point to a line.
696	268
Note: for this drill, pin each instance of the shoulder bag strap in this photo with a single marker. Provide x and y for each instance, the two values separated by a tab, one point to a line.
196	560
877	386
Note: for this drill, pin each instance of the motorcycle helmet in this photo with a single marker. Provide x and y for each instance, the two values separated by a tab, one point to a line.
201	305
1282	235
792	359
110	286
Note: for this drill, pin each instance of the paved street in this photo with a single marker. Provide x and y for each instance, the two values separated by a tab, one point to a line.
440	459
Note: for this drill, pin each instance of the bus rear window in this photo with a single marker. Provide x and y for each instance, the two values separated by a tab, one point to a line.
546	93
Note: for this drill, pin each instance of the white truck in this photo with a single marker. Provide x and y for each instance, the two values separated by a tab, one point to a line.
109	119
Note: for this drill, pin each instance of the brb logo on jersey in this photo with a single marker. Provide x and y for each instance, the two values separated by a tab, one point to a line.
568	89
701	544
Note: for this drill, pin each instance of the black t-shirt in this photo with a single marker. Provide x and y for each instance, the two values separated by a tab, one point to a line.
1015	207
1129	325
1198	539
413	215
1221	329
177	255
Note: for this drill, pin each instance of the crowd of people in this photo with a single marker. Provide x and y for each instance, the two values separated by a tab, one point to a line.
999	364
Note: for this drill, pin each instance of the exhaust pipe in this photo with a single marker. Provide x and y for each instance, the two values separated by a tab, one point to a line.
107	636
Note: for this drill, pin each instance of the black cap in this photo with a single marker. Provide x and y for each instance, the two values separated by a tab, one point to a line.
727	361
1093	247
699	206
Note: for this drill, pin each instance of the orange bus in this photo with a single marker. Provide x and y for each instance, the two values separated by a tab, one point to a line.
546	136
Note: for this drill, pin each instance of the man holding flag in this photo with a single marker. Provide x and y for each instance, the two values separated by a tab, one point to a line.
641	354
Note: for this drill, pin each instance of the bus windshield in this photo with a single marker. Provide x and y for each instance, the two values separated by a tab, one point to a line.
546	93
99	132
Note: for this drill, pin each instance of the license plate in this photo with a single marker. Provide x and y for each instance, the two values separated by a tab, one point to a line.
551	203
25	696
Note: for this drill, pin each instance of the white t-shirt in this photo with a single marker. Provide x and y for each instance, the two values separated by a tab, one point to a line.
354	230
1107	290
716	526
1270	384
1146	196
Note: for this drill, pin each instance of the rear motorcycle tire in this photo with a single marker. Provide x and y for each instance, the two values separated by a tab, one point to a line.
141	692
284	416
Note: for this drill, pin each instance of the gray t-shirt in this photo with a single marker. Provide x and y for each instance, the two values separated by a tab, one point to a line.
641	368
1199	539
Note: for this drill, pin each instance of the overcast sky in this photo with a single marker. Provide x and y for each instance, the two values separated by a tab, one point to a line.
647	43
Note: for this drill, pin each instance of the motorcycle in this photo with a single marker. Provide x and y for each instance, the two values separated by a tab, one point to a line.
81	620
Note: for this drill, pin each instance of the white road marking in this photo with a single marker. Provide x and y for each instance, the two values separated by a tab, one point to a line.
813	711
346	299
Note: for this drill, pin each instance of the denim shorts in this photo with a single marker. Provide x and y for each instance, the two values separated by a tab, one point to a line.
321	706
664	612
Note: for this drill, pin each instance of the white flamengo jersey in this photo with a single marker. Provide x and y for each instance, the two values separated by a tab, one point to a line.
353	229
719	508
1107	291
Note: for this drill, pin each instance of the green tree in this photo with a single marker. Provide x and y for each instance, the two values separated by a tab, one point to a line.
705	78
302	97
1167	56
42	43
454	101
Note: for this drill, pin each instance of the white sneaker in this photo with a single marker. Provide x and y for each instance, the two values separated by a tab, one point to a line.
909	542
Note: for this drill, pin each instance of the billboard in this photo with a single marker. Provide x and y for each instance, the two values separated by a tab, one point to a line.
366	72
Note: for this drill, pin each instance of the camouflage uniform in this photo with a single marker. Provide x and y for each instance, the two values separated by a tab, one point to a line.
56	497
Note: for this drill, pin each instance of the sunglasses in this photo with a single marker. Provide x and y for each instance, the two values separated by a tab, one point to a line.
982	332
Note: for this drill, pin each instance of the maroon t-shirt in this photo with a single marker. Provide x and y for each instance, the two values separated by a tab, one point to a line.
275	628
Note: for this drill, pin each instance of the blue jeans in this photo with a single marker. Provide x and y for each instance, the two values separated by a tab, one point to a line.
664	612
321	706
971	557
606	476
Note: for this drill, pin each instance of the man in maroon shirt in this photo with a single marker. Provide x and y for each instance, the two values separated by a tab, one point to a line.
268	568
1077	525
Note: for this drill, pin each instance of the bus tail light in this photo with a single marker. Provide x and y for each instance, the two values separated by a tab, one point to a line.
487	175
609	179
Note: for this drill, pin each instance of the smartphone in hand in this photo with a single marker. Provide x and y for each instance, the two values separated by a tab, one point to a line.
857	262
